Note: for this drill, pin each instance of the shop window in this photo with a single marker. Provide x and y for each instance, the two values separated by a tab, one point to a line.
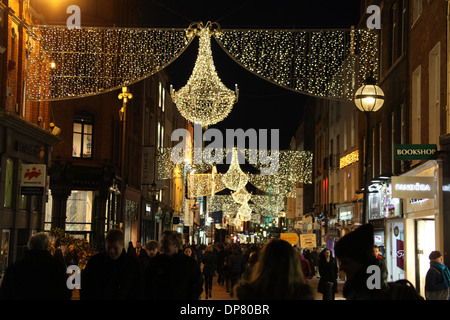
79	211
82	135
9	173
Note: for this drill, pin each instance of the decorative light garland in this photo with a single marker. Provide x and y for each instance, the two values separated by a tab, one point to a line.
204	100
307	61
93	60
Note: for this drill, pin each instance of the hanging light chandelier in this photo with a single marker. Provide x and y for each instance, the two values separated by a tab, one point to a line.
204	100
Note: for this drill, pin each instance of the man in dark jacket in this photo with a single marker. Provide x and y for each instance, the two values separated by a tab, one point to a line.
112	275
235	262
38	276
172	275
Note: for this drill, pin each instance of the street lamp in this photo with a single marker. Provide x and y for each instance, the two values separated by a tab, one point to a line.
124	96
369	98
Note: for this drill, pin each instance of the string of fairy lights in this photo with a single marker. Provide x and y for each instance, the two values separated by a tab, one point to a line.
204	100
92	60
307	61
67	63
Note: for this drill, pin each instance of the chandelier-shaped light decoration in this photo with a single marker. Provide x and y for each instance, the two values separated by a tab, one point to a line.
204	100
241	196
235	179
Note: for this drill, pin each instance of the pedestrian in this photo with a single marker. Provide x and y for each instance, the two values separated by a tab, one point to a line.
38	276
140	251
209	261
328	272
250	265
376	253
190	253
227	269
437	280
277	276
221	255
315	256
112	274
235	267
355	254
131	250
152	248
306	268
172	275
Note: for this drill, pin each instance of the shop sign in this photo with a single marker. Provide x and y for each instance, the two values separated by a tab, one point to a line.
292	238
33	179
413	187
415	152
308	240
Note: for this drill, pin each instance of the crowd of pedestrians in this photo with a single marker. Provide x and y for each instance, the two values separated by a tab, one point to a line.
171	270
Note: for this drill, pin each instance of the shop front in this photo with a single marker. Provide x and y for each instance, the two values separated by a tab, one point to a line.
422	229
23	146
385	214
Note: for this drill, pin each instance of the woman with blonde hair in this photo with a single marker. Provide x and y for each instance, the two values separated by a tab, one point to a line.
277	276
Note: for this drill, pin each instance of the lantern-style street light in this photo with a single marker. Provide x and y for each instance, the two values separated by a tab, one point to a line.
369	98
124	96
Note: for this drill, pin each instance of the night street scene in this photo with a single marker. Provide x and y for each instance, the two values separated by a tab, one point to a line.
222	159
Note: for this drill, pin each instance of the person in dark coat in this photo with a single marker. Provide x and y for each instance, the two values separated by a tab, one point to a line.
112	274
221	255
355	254
437	280
235	267
209	261
172	275
328	272
38	276
277	276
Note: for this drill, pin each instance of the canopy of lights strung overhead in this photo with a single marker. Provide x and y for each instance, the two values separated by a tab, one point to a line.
69	63
292	168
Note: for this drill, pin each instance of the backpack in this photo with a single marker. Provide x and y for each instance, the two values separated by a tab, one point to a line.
402	290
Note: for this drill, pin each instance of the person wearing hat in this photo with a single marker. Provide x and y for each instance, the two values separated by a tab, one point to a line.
355	254
437	280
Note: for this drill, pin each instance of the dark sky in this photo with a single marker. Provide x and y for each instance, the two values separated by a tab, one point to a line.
261	105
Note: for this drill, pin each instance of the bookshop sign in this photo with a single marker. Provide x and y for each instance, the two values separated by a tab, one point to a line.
415	152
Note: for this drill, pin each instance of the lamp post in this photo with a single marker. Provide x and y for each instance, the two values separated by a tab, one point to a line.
124	96
369	98
152	191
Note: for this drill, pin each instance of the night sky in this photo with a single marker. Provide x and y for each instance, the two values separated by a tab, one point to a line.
261	105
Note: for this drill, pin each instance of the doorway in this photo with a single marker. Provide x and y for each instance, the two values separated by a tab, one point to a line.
425	244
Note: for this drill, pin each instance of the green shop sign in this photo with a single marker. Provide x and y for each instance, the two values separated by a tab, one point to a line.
415	152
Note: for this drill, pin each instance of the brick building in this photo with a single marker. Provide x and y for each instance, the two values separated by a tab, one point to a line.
25	138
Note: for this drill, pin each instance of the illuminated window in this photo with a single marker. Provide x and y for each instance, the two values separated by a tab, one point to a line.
7	201
82	135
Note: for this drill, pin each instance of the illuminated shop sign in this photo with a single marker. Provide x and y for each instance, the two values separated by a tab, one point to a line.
413	187
349	159
415	152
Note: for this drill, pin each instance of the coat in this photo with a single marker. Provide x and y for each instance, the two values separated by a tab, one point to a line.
37	276
176	277
209	261
107	279
328	272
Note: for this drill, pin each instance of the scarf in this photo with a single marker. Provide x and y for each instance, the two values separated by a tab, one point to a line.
444	270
